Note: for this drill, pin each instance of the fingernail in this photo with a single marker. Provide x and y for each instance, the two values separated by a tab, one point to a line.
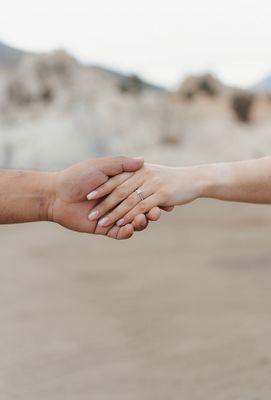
92	194
103	221
138	158
120	222
93	215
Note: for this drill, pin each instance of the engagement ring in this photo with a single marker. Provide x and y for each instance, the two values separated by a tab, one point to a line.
139	192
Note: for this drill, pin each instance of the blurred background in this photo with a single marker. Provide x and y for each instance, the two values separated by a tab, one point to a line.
182	309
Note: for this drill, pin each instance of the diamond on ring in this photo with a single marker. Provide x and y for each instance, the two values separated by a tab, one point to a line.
139	192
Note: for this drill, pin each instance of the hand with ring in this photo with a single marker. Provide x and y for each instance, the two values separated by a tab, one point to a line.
129	194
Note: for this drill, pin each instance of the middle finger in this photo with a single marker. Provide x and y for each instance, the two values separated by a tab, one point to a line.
125	206
113	199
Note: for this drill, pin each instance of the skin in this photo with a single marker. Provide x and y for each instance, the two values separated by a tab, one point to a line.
244	181
27	196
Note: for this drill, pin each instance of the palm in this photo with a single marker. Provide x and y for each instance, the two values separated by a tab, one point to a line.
71	208
73	215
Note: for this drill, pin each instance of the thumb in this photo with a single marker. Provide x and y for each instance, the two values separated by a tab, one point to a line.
132	164
115	165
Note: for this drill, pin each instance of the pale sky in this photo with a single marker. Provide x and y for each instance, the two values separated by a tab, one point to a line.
160	40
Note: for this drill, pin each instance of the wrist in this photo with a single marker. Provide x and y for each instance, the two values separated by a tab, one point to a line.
187	184
48	188
26	196
212	178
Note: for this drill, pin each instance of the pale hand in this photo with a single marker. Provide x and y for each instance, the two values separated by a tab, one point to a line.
160	186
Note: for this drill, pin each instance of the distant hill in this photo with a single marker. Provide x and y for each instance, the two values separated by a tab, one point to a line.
264	84
124	78
10	56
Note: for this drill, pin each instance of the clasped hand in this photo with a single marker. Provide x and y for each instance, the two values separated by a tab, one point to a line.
127	195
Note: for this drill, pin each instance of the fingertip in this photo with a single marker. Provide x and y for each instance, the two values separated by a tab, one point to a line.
113	232
93	215
140	222
120	222
92	195
132	164
154	214
125	232
141	159
168	208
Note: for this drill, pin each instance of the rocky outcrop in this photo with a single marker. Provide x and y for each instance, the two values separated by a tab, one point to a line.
52	108
55	111
205	84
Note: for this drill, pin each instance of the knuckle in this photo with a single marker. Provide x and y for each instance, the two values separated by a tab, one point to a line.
162	193
119	158
157	181
100	191
119	192
129	202
141	207
149	171
103	207
116	179
126	175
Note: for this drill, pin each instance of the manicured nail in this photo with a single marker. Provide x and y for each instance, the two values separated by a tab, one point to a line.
93	215
103	221
92	194
120	222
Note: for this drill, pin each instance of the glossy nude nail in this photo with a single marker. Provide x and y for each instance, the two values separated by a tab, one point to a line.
93	215
92	194
103	221
120	222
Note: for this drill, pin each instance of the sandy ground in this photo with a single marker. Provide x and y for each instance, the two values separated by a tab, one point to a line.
182	311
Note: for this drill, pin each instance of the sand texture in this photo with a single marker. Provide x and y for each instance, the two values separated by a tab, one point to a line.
179	312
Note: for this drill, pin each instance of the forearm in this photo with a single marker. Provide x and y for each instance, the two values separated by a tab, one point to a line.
25	196
244	181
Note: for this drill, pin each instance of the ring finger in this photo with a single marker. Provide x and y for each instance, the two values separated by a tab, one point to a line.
126	205
113	199
141	208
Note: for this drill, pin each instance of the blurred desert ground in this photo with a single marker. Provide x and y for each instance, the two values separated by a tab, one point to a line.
181	310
